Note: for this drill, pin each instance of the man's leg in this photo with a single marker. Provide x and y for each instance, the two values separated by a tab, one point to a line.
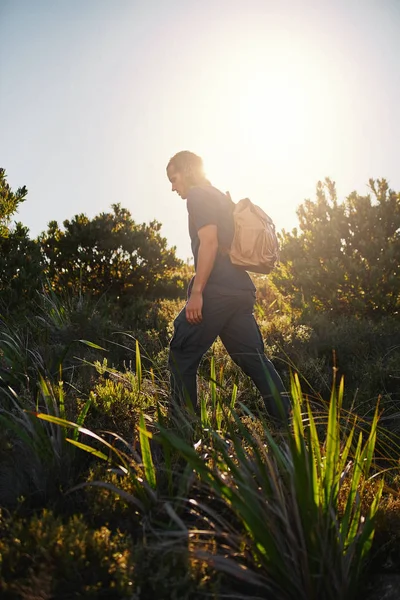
185	353
243	341
190	342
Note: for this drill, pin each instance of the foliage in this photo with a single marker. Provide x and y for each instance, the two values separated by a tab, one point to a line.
386	546
223	505
113	255
346	257
20	259
37	348
126	460
215	499
294	542
366	351
118	398
9	202
44	557
109	257
20	271
296	515
40	462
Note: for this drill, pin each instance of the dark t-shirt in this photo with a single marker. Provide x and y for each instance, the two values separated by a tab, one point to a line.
208	206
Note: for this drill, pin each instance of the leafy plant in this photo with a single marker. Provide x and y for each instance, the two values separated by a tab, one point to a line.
44	557
43	461
124	459
298	536
345	256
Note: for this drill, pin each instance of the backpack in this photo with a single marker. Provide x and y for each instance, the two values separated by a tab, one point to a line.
255	245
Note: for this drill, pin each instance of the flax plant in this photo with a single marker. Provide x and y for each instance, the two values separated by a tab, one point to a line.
298	538
43	462
120	456
46	441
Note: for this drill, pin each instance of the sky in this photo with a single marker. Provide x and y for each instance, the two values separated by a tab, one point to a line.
97	95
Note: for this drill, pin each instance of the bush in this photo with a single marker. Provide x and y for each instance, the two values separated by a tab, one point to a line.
118	398
44	557
283	523
366	352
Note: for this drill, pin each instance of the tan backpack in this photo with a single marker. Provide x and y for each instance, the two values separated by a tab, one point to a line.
255	245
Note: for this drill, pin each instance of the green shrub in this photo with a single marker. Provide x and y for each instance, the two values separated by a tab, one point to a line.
118	398
40	464
44	557
366	352
385	554
285	526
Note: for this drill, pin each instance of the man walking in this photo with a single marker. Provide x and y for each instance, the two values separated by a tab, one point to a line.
221	296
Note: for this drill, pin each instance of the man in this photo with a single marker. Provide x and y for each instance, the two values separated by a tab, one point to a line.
221	296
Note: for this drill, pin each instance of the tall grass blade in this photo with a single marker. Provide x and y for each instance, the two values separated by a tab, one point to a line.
367	535
205	422
233	396
88	449
61	400
92	345
219	409
138	367
349	525
316	459
297	420
166	452
370	446
147	457
332	449
219	414
346	451
213	385
69	424
81	417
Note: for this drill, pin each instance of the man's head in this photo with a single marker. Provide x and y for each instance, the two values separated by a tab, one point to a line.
185	170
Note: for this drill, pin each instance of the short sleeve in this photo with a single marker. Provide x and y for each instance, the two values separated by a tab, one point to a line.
202	208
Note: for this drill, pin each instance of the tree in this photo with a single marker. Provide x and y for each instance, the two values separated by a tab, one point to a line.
346	257
21	271
9	202
111	254
20	259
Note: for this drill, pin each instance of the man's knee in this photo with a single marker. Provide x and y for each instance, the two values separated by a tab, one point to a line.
176	363
248	361
182	363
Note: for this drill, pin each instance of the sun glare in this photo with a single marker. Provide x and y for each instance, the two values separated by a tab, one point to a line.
269	121
264	124
270	117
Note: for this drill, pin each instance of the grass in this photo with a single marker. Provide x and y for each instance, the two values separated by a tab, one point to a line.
300	534
300	538
223	502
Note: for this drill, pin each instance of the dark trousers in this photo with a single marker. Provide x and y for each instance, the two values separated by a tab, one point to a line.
231	318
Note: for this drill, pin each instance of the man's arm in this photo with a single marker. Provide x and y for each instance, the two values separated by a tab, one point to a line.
208	236
206	257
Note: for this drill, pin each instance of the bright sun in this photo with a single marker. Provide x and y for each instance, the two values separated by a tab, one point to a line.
271	116
264	115
263	122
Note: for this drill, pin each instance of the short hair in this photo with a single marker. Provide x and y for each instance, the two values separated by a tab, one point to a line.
188	163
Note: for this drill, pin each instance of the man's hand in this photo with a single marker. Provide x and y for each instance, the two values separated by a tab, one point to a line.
194	308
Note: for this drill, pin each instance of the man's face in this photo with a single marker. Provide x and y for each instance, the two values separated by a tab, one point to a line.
178	182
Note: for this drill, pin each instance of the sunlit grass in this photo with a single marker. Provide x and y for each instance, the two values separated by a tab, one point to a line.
296	496
288	514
